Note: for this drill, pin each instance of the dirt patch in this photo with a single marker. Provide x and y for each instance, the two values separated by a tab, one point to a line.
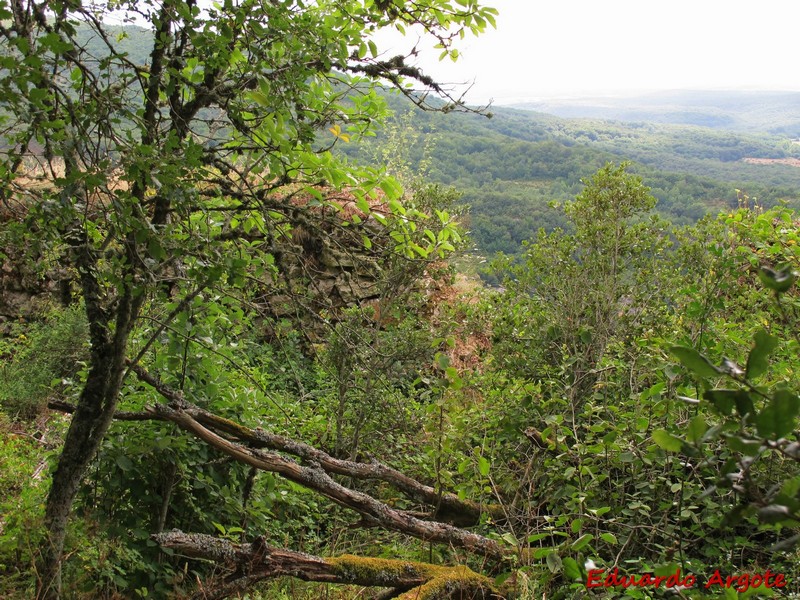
792	162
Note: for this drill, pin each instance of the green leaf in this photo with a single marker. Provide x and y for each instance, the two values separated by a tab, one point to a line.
697	427
454	378
483	466
744	404
55	43
260	98
757	362
509	538
362	204
608	538
576	525
554	562
599	512
155	249
582	542
694	361
742	445
777	419
124	463
571	569
725	400
667	441
220	528
391	188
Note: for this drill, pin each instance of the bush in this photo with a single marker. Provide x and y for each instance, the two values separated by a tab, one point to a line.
41	361
23	485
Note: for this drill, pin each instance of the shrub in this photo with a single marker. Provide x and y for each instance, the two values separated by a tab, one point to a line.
44	357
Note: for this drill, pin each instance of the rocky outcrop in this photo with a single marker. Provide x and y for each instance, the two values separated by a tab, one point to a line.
323	266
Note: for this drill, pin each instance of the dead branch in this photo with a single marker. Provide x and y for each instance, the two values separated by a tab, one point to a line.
451	509
251	563
254	562
446	507
315	478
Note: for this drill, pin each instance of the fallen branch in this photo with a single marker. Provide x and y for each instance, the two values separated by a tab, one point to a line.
446	507
251	563
449	507
314	470
315	478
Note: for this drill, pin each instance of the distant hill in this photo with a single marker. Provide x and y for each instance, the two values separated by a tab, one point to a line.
742	111
512	167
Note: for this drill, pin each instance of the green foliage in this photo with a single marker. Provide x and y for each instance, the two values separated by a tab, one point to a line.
581	424
754	422
184	195
22	492
181	184
511	168
101	563
574	294
373	369
42	362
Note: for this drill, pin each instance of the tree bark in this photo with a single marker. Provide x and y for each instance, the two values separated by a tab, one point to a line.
89	424
108	334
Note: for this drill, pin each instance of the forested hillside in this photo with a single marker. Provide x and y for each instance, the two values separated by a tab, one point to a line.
511	167
239	359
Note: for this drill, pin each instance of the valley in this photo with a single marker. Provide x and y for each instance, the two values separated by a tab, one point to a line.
512	168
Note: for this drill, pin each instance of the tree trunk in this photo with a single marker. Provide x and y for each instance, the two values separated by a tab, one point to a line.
90	421
87	428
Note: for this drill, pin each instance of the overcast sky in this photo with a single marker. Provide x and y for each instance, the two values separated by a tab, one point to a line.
592	47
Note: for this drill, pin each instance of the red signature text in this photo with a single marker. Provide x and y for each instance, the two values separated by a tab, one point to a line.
599	578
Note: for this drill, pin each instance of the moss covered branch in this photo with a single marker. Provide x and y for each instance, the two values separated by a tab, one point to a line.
254	562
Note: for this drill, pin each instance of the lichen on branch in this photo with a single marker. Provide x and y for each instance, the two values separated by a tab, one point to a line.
254	562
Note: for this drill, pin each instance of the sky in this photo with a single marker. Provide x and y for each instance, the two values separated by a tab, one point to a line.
567	48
